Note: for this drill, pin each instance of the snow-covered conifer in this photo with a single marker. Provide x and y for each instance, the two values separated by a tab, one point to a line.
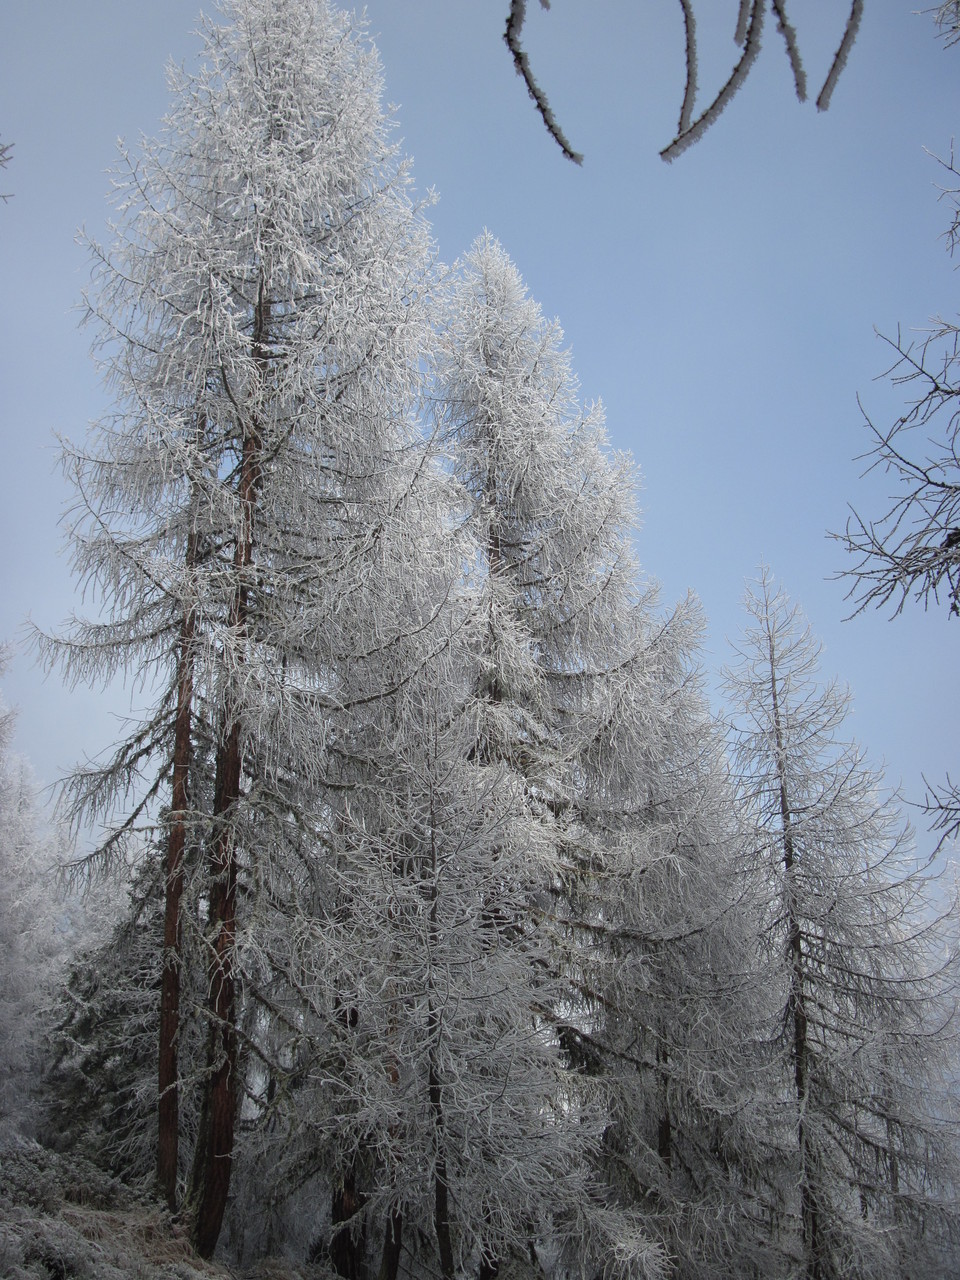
259	320
863	970
36	926
671	988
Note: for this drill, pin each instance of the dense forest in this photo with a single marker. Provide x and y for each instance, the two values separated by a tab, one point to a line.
437	925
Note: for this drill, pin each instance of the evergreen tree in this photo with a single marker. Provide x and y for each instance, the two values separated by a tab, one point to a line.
37	924
259	322
462	1135
672	995
549	508
588	698
863	970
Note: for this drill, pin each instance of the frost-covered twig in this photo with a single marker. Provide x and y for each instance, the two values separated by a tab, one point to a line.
515	20
840	58
687	136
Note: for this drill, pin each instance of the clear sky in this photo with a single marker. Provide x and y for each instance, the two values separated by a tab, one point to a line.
723	307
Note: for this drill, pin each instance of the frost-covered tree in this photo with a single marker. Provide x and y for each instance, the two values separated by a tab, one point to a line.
258	318
589	699
672	988
547	509
911	552
34	926
550	509
863	969
99	1088
438	1084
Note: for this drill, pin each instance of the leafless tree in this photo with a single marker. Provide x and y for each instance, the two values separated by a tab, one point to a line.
912	552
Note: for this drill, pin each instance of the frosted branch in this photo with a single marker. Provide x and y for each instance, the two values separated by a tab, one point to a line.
690	92
743	19
6	149
686	137
840	58
515	20
793	52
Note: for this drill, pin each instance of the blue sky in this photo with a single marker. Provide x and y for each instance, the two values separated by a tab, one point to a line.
723	307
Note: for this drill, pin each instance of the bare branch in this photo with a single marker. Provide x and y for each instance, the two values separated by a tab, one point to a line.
690	92
688	136
747	37
743	19
947	18
840	57
515	20
793	52
913	550
942	806
952	195
6	150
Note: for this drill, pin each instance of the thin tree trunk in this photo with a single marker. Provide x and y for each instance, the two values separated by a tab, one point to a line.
390	1259
168	1105
796	1004
347	1247
214	1154
441	1216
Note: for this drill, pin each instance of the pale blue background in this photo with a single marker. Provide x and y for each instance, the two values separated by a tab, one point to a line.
723	307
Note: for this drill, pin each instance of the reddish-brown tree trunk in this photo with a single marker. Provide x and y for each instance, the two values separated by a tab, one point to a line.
213	1157
168	1105
214	1154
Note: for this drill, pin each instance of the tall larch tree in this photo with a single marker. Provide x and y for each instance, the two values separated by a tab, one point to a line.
863	969
435	1093
590	700
549	510
258	318
672	1010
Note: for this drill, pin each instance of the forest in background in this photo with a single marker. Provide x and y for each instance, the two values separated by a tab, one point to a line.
457	934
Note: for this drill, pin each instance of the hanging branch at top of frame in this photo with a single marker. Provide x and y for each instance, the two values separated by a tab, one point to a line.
748	35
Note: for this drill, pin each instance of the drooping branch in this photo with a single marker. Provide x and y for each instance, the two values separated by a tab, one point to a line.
687	136
690	36
743	21
747	37
840	57
793	51
515	20
947	17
